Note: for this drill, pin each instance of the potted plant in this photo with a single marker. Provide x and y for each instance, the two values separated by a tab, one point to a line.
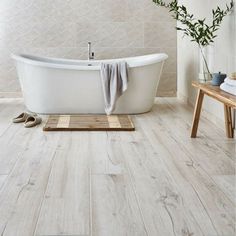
197	29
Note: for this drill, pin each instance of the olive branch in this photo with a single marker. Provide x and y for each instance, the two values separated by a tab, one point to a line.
197	29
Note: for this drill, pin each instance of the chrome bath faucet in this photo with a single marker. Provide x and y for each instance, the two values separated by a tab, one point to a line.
90	53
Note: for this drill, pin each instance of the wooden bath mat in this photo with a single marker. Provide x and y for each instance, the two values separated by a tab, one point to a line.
89	123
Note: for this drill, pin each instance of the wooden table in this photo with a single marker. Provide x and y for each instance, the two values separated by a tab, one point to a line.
215	92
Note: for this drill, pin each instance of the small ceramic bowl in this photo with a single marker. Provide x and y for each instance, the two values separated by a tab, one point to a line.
218	79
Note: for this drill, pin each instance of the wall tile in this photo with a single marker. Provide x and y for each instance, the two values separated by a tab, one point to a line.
39	34
159	34
146	11
102	10
170	64
106	53
167	86
110	34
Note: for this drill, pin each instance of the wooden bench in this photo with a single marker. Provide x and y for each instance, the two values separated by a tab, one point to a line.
215	92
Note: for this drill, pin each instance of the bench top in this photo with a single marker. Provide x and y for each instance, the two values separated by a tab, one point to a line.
216	93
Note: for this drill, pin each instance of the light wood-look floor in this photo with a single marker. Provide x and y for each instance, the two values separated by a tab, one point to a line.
155	181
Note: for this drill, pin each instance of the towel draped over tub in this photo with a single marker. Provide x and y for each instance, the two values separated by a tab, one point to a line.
114	79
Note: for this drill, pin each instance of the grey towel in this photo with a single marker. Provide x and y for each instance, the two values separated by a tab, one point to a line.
114	78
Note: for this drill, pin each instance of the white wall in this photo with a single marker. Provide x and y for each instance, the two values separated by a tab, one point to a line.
62	28
188	54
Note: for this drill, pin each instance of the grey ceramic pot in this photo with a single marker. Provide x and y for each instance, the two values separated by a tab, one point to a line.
218	79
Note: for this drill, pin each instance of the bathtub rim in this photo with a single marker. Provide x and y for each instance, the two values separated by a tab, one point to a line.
57	63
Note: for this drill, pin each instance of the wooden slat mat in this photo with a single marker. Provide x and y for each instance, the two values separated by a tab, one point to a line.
89	123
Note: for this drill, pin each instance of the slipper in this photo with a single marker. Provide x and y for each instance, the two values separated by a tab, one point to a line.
32	121
21	118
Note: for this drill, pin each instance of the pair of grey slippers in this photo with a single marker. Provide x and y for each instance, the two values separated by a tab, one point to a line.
30	120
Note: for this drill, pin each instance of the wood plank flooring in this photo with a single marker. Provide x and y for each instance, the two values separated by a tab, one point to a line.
155	181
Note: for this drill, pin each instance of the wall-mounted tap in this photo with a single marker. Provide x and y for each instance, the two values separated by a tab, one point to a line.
90	53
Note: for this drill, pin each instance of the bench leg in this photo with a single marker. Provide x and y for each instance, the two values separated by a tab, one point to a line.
197	113
228	122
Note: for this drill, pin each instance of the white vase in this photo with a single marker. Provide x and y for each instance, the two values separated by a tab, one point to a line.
206	61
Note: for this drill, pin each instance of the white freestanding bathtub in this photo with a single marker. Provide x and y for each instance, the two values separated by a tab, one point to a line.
60	86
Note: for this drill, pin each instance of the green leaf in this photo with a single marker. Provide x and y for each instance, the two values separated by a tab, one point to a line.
199	32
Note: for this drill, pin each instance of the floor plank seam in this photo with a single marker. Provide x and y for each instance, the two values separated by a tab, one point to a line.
19	157
5	130
205	209
136	195
62	235
45	190
10	173
90	200
4	181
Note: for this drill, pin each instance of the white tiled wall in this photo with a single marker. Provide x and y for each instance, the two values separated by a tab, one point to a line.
62	28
